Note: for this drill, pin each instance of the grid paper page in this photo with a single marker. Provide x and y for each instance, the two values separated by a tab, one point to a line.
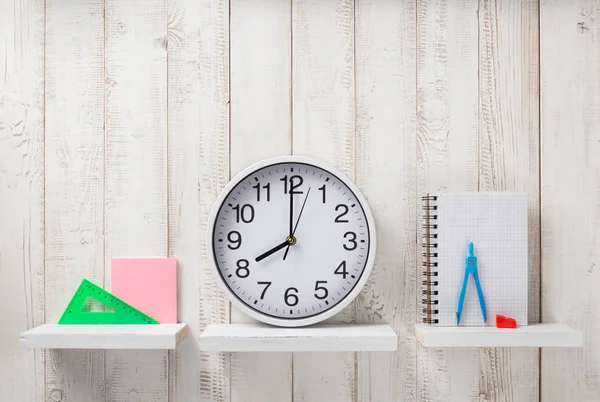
496	223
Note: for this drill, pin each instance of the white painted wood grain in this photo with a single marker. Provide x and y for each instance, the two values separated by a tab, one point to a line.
570	199
385	171
74	181
21	195
198	135
315	338
323	128
135	192
509	161
260	49
54	336
447	160
527	336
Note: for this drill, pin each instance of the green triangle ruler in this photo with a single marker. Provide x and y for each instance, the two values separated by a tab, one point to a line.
122	313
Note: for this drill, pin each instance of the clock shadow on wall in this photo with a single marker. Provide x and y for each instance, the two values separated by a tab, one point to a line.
293	241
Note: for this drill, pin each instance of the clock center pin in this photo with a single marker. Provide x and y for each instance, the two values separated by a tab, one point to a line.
291	240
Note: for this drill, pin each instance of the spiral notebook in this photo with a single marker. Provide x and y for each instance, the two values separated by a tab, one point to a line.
496	223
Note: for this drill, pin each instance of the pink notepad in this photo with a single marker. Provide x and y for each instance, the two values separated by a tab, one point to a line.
148	284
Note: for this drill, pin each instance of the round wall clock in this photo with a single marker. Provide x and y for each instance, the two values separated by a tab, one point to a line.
292	241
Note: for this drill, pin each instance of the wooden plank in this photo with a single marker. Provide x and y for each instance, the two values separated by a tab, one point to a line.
198	126
447	156
570	143
74	181
21	195
509	161
315	338
527	336
385	171
323	128
260	40
136	169
54	336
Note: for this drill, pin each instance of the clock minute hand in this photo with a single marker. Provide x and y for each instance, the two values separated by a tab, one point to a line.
271	251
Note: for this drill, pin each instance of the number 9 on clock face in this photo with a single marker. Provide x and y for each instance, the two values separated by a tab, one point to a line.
292	241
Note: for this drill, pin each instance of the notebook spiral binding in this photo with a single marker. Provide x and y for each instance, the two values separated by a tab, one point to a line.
430	263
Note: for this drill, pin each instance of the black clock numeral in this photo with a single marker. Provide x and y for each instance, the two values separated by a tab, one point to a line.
242	270
323	288
245	213
267	187
351	237
236	238
262	295
293	296
322	188
295	182
339	219
341	270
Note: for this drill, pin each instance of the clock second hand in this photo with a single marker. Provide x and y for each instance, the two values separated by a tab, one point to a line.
296	226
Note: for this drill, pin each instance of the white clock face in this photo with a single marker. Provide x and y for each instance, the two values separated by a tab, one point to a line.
292	242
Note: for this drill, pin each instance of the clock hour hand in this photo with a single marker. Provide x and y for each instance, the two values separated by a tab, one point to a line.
273	250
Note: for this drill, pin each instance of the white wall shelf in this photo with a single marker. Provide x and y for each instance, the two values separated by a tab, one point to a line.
54	336
315	338
533	335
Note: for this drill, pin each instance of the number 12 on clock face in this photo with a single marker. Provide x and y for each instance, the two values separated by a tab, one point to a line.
293	241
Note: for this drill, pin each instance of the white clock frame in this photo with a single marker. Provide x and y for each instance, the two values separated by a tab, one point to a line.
319	317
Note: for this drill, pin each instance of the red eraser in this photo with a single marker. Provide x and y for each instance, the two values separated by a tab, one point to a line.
505	322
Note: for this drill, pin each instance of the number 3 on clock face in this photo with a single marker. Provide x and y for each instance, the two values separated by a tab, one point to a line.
292	241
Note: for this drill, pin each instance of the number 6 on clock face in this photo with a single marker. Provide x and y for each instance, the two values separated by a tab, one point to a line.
292	241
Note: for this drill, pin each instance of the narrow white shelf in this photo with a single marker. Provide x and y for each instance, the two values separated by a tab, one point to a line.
54	336
533	335
316	338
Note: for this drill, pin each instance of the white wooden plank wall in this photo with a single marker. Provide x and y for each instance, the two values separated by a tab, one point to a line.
570	196
386	137
135	170
74	182
261	122
120	122
198	164
323	102
447	159
21	195
509	161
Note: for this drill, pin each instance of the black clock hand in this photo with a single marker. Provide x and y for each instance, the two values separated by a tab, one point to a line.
297	221
291	208
271	251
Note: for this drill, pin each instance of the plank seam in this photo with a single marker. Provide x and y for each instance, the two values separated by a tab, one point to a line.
540	193
45	396
229	366
291	2
104	158
354	162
